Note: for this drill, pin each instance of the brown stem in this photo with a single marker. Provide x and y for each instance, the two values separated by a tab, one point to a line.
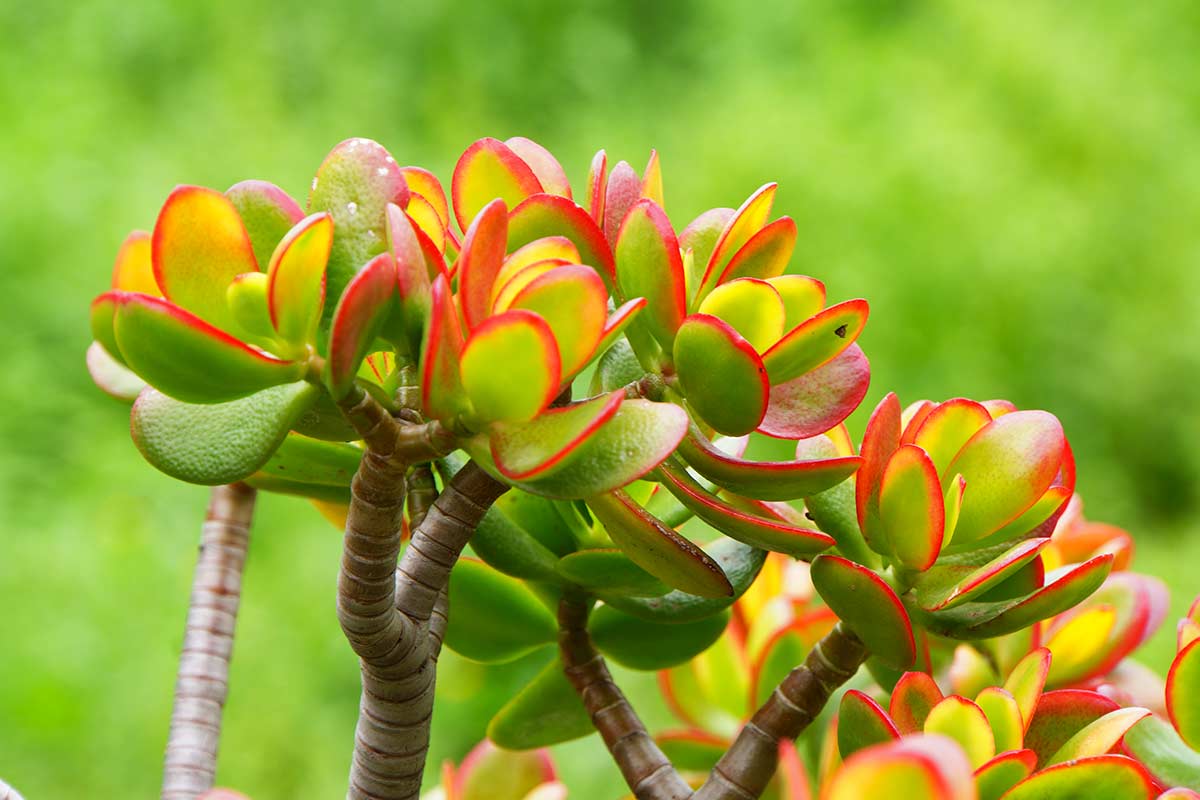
749	764
203	681
645	769
9	793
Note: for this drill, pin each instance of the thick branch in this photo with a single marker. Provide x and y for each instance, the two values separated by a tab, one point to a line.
203	681
749	764
644	766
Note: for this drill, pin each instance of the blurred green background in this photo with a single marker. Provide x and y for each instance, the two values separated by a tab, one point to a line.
1014	186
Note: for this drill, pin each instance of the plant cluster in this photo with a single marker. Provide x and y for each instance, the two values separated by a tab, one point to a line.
569	385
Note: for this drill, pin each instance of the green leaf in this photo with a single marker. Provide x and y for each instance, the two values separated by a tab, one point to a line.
546	712
267	212
487	170
307	460
489	773
965	723
1003	772
862	723
692	750
639	644
1157	745
183	356
764	480
912	510
573	301
766	254
1004	716
741	565
1008	464
296	279
496	618
958	578
1183	693
657	549
217	443
649	265
1100	736
361	314
480	261
1060	715
508	547
913	697
868	606
1100	778
611	572
880	440
441	380
412	279
355	183
751	307
754	530
617	368
1026	681
587	448
722	376
747	221
510	367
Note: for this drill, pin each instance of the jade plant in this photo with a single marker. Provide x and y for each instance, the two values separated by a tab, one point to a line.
567	385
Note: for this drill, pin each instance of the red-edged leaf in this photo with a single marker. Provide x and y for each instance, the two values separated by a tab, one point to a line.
133	270
482	254
425	218
412	276
360	315
559	249
1099	778
1100	736
814	403
488	170
868	606
268	213
623	190
880	441
746	221
751	307
597	186
504	295
652	180
1064	592
816	341
965	723
616	324
545	166
101	317
1004	772
911	508
296	278
721	375
768	534
199	246
424	183
862	723
248	302
510	367
946	427
766	254
1183	689
574	303
913	697
550	215
1008	464
355	183
958	579
649	265
1061	714
765	480
187	358
930	767
803	297
540	448
700	237
441	382
1004	716
657	549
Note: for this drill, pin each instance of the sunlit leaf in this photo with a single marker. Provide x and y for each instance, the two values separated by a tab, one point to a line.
550	215
296	278
510	367
912	512
649	265
721	374
267	212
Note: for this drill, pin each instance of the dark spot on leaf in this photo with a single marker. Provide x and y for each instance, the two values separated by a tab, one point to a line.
841	331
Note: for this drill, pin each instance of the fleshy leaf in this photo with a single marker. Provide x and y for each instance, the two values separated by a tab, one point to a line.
510	367
610	570
216	443
639	644
482	256
820	400
802	296
930	767
559	249
199	246
959	578
544	165
547	711
505	545
189	359
657	549
700	237
598	453
754	530
424	183
1099	778
574	303
247	299
740	563
550	215
862	723
111	376
361	313
1157	745
441	381
1100	736
766	254
1183	690
816	341
306	460
751	307
764	480
1026	681
489	773
913	697
965	723
486	171
1004	716
355	183
413	277
746	221
133	270
597	186
944	430
268	213
868	606
296	278
1060	715
880	441
624	189
649	265
497	618
912	512
1008	464
1003	772
721	374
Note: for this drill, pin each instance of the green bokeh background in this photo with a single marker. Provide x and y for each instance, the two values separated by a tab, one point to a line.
1014	186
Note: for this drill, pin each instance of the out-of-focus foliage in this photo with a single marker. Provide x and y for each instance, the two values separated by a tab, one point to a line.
1012	186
